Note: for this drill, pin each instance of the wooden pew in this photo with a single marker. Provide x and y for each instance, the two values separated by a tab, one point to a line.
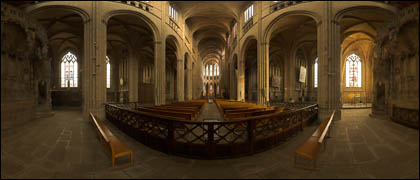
190	111
185	116
310	148
118	149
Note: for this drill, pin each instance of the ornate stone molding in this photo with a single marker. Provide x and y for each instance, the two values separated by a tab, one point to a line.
390	30
10	14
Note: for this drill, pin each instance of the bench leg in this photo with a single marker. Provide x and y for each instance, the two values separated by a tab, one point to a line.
294	164
131	156
113	162
313	163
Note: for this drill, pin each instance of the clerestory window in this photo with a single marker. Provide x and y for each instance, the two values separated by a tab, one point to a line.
173	14
249	12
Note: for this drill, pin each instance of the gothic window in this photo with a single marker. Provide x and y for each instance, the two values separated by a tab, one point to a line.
211	70
249	12
353	71
69	70
217	70
316	73
173	14
108	73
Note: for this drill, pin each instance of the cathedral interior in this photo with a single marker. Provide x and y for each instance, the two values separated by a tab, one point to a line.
209	89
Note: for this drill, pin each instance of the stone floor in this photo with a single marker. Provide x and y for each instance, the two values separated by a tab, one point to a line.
356	105
65	146
210	112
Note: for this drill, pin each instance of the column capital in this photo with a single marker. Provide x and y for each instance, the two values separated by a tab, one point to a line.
179	60
158	42
265	43
86	21
104	22
319	23
335	22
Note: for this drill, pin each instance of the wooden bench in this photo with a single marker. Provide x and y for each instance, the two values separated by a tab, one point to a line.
185	116
310	148
192	112
118	149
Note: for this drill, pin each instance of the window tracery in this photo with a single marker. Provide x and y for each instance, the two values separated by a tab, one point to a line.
353	71
69	70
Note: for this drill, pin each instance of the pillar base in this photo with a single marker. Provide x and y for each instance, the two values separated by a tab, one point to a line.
43	111
378	114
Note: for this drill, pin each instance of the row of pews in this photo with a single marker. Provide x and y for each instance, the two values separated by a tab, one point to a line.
237	110
173	128
186	110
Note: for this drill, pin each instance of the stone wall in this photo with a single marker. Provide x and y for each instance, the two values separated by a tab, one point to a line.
23	64
396	69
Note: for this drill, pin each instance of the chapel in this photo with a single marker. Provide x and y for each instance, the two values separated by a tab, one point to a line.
209	89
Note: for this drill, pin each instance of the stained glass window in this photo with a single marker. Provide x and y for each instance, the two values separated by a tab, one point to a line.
353	71
316	73
69	70
108	73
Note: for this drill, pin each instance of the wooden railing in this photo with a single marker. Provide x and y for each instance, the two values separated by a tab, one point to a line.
290	105
209	140
406	116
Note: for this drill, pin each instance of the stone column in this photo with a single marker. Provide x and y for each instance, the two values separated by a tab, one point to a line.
329	64
241	81
159	76
231	80
263	74
180	79
94	79
133	77
189	80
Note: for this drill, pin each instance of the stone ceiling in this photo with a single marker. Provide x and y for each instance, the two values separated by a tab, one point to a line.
209	23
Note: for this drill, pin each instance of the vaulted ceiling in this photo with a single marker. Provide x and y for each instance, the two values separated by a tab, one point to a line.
209	23
64	29
128	31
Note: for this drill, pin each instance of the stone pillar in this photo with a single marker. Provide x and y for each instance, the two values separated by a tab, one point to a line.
288	77
133	77
180	80
241	81
263	74
329	65
189	81
231	80
160	75
94	79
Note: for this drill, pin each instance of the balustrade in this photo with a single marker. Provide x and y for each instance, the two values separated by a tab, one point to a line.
203	139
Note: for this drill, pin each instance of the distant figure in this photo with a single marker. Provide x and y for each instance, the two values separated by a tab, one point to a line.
291	100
